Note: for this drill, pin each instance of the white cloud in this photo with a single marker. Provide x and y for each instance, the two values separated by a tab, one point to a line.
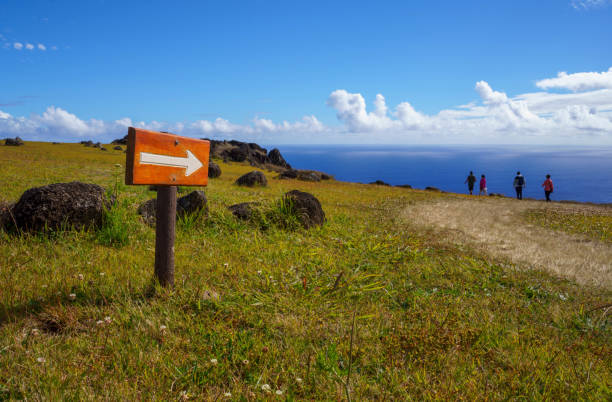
574	117
586	4
42	47
578	81
18	45
29	46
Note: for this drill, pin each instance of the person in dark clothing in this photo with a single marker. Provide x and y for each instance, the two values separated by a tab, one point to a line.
519	184
471	179
548	187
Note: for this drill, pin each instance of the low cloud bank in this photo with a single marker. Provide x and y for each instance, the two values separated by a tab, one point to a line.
581	108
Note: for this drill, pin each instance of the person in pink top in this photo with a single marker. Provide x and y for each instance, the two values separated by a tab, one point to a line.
548	187
483	185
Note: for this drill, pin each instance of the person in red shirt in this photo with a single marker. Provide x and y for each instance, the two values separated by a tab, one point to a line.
483	185
548	187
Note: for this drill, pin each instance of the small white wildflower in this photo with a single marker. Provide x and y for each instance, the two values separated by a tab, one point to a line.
562	296
35	332
279	392
227	394
266	388
245	362
259	272
107	319
117	165
72	296
99	322
214	361
102	274
81	277
434	290
298	380
225	264
44	286
41	359
162	328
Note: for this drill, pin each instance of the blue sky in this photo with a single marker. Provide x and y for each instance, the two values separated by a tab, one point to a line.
292	72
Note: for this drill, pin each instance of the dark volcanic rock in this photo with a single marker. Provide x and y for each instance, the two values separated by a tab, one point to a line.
56	143
252	179
214	170
308	208
308	175
87	143
238	154
277	159
120	141
325	176
97	145
194	202
103	149
433	189
289	174
15	142
380	183
243	211
117	148
404	185
60	205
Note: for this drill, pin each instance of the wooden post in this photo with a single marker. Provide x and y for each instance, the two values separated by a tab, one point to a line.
164	235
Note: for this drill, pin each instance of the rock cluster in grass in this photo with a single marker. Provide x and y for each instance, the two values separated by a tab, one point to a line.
61	205
120	141
192	203
238	151
251	179
15	142
380	183
304	175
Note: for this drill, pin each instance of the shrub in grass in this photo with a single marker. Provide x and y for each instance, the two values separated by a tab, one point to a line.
117	224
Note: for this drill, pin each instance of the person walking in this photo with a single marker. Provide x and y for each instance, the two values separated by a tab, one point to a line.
483	185
548	187
519	184
471	179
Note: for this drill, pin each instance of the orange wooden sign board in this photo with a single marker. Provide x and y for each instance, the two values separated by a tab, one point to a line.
165	159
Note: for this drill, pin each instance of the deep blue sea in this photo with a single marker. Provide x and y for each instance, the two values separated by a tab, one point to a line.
578	173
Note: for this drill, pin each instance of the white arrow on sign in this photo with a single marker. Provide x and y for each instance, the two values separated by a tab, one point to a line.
190	163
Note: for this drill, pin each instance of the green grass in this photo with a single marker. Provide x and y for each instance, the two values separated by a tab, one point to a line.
432	321
595	226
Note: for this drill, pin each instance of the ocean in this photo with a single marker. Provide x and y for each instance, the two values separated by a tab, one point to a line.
578	173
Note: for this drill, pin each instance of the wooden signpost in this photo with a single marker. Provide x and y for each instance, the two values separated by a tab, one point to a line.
166	161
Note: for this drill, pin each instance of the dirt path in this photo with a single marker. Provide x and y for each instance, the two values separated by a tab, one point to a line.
496	227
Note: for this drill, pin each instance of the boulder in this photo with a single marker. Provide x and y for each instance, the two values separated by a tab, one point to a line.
380	183
289	174
435	189
97	145
404	185
308	175
325	176
238	154
117	148
189	204
87	143
15	142
277	159
120	141
214	170
243	211
60	205
307	207
103	149
254	178
192	203
56	143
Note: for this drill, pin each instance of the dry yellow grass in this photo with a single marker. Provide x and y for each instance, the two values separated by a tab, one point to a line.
497	227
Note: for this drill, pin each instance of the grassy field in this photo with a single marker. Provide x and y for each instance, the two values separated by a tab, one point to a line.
366	307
